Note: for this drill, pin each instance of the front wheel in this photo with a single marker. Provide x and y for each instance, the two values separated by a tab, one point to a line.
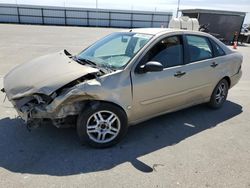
101	125
219	94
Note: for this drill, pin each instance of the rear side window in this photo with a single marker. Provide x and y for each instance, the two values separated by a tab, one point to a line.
217	49
199	48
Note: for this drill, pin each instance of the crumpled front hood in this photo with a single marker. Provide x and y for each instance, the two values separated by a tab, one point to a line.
43	75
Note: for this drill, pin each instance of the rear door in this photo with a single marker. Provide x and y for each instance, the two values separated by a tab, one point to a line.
201	68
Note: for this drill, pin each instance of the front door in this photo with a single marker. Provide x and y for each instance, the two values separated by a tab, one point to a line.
156	92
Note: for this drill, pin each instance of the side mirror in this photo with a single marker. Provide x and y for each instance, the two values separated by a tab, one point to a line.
151	66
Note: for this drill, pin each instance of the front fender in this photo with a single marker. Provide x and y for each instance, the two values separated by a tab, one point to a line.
109	89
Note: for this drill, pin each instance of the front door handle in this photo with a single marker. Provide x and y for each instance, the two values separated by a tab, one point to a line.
179	74
214	64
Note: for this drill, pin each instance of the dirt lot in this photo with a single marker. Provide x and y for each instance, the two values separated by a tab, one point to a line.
196	147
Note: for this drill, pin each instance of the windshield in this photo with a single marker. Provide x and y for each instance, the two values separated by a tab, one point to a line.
115	50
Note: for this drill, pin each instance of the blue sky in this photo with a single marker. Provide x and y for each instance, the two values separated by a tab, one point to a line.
158	5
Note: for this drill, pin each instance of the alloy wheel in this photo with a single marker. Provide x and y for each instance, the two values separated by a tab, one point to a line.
220	93
103	126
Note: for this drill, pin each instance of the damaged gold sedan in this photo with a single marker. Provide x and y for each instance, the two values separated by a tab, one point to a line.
123	79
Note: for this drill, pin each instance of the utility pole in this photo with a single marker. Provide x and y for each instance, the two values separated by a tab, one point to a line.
178	9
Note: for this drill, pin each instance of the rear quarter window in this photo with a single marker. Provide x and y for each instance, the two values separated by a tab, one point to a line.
218	51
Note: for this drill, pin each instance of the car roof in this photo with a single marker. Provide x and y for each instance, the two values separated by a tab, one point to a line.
161	31
152	31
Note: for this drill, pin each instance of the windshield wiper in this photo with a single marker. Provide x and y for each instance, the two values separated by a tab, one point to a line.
93	64
96	65
88	61
82	61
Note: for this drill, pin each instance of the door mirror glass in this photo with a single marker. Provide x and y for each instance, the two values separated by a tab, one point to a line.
151	66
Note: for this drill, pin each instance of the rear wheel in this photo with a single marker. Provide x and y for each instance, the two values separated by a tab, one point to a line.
219	94
101	125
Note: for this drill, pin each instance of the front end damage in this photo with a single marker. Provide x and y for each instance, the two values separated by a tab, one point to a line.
60	108
50	87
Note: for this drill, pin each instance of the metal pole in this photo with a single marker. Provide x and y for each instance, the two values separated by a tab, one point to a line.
97	15
18	15
87	18
178	9
42	16
65	13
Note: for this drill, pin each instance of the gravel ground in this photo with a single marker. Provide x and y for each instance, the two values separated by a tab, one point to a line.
195	147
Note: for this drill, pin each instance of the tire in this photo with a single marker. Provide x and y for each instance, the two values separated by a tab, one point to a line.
101	125
219	94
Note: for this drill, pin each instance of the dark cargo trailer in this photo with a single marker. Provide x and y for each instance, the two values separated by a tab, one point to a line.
225	25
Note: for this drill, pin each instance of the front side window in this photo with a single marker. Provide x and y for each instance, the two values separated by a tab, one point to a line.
168	52
198	48
115	50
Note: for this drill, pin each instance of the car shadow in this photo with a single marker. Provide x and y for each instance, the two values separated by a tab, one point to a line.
52	151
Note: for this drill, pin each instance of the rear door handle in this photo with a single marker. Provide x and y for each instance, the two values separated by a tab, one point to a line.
214	64
179	74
